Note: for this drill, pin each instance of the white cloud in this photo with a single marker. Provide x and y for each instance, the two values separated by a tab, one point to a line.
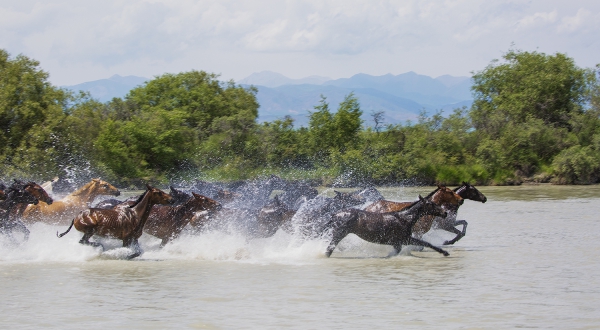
78	41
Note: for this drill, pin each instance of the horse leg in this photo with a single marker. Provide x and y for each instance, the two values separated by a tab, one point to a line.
85	240
21	226
133	244
458	233
337	236
416	241
164	242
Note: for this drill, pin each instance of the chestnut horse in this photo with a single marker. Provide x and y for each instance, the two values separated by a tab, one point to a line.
124	223
15	195
68	207
442	196
390	228
166	222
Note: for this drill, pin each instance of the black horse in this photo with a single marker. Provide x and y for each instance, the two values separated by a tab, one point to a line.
391	228
466	191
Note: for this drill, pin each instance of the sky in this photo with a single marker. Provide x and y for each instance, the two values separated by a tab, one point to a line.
77	41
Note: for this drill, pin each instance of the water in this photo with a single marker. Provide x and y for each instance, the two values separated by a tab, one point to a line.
529	260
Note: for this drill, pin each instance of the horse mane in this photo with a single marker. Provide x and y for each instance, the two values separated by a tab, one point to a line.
464	184
139	199
413	204
433	192
82	189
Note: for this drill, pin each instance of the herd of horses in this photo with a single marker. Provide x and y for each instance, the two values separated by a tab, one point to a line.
255	209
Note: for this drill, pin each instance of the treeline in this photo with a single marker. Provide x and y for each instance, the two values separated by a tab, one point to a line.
534	117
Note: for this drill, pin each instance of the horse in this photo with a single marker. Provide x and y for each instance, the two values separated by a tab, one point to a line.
179	197
311	217
34	189
15	195
295	193
390	228
251	223
166	222
213	191
466	191
442	196
70	205
124	223
255	194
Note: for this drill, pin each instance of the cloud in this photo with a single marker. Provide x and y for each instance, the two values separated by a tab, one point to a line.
94	39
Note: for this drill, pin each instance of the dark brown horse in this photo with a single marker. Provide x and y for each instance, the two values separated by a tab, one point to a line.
2	193
124	223
15	195
391	228
442	196
166	222
34	189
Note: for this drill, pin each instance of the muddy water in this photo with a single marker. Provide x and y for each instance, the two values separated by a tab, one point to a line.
530	259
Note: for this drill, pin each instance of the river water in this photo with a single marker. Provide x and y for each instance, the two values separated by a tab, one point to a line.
530	260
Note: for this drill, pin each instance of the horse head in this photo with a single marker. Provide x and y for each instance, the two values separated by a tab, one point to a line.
447	197
158	196
468	191
36	190
102	187
431	208
18	194
179	195
203	203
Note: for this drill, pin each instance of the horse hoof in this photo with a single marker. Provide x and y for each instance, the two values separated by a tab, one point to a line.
131	256
446	254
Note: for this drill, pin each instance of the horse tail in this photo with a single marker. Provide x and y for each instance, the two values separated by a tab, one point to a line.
63	234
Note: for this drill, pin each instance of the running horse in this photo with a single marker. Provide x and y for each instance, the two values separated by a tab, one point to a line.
124	223
166	222
70	205
34	189
390	228
441	196
15	195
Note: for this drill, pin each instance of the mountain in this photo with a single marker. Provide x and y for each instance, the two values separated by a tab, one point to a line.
274	79
105	90
401	97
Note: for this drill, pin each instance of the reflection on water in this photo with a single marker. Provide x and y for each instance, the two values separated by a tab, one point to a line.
529	259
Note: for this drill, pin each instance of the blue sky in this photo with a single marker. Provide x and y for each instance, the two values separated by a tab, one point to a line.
78	41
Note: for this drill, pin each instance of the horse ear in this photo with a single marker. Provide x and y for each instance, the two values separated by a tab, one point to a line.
195	195
149	187
421	197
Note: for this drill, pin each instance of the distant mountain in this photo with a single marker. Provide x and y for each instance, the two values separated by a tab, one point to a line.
401	97
274	79
105	90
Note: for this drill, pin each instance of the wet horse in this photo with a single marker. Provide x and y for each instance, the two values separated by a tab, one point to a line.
442	196
124	223
466	191
166	222
68	207
250	223
390	228
34	189
15	195
2	193
311	218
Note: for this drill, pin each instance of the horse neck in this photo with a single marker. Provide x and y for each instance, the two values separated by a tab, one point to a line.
86	193
440	198
416	211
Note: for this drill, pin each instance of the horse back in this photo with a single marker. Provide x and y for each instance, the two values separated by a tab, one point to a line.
382	206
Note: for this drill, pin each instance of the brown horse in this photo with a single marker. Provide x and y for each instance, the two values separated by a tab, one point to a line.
390	228
2	193
167	222
124	223
34	189
441	196
67	208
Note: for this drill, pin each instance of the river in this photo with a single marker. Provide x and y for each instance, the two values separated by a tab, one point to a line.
530	259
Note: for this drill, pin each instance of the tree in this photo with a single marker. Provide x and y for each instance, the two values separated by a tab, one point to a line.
31	109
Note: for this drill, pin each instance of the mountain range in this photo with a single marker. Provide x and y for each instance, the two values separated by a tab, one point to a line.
401	97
